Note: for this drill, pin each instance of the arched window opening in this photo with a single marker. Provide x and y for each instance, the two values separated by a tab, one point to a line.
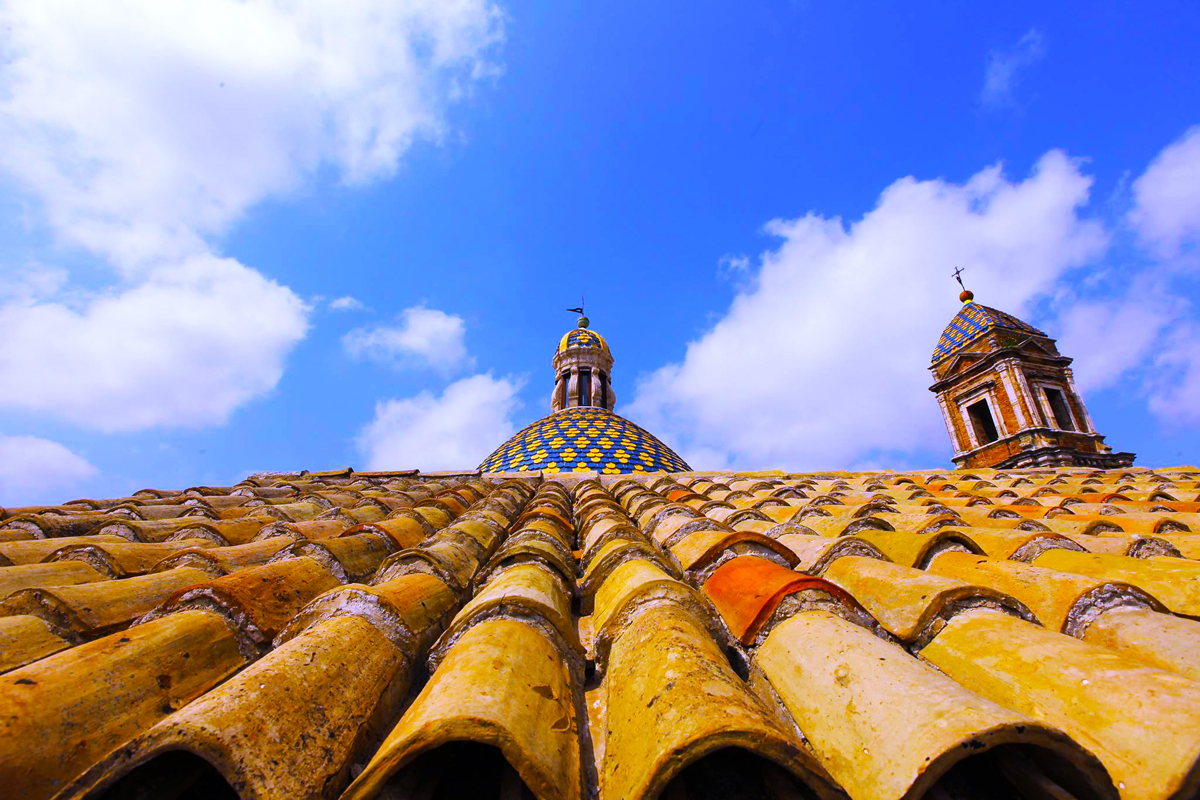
585	387
603	390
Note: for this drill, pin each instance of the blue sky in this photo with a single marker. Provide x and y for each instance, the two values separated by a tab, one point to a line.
762	204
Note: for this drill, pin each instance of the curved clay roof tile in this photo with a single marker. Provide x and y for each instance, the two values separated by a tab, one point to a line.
1070	684
888	750
504	685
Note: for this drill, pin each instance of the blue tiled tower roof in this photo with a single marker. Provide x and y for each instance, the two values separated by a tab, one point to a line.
971	322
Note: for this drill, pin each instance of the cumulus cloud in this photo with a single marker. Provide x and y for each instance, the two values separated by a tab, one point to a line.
1110	336
185	347
32	282
424	337
142	129
1166	212
1175	385
816	363
1004	68
455	430
146	126
1166	217
31	467
346	304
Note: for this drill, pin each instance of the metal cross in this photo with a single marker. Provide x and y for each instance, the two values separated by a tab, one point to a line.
957	277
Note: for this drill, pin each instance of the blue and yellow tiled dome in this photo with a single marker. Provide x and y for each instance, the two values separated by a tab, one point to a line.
583	338
971	322
580	439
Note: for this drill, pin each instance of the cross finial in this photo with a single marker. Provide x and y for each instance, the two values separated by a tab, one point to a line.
966	295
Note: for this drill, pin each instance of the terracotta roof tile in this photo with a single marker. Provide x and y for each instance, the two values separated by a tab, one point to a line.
25	639
672	698
1113	705
611	636
886	748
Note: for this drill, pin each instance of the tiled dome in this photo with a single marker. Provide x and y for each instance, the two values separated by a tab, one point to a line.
579	439
971	322
583	338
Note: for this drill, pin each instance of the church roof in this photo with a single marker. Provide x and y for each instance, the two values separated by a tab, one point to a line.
878	635
582	338
972	321
586	438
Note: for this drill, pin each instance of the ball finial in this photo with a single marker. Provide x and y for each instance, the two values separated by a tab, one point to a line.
966	295
584	322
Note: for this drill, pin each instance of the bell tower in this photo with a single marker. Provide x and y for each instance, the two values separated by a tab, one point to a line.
1008	396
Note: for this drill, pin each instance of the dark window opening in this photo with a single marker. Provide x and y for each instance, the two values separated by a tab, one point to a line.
1058	405
981	420
458	771
564	382
174	775
585	387
603	390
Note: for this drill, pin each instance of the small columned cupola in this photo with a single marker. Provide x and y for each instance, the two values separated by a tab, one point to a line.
1008	396
583	371
582	433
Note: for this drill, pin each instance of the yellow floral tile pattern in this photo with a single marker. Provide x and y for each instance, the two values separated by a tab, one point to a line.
582	337
972	321
583	439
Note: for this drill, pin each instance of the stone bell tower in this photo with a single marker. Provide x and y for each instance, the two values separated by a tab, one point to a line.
1008	396
583	370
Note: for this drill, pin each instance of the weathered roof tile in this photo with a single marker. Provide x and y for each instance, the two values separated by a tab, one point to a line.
906	725
679	575
1115	706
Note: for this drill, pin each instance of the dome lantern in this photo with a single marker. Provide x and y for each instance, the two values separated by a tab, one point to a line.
582	370
582	434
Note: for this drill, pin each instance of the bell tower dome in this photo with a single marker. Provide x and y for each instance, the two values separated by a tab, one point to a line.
1008	396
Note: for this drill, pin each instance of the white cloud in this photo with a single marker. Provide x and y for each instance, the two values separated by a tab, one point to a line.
425	337
819	361
146	126
1004	66
184	347
457	430
1166	217
731	264
1175	384
32	282
33	466
142	129
346	304
1109	337
1166	213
